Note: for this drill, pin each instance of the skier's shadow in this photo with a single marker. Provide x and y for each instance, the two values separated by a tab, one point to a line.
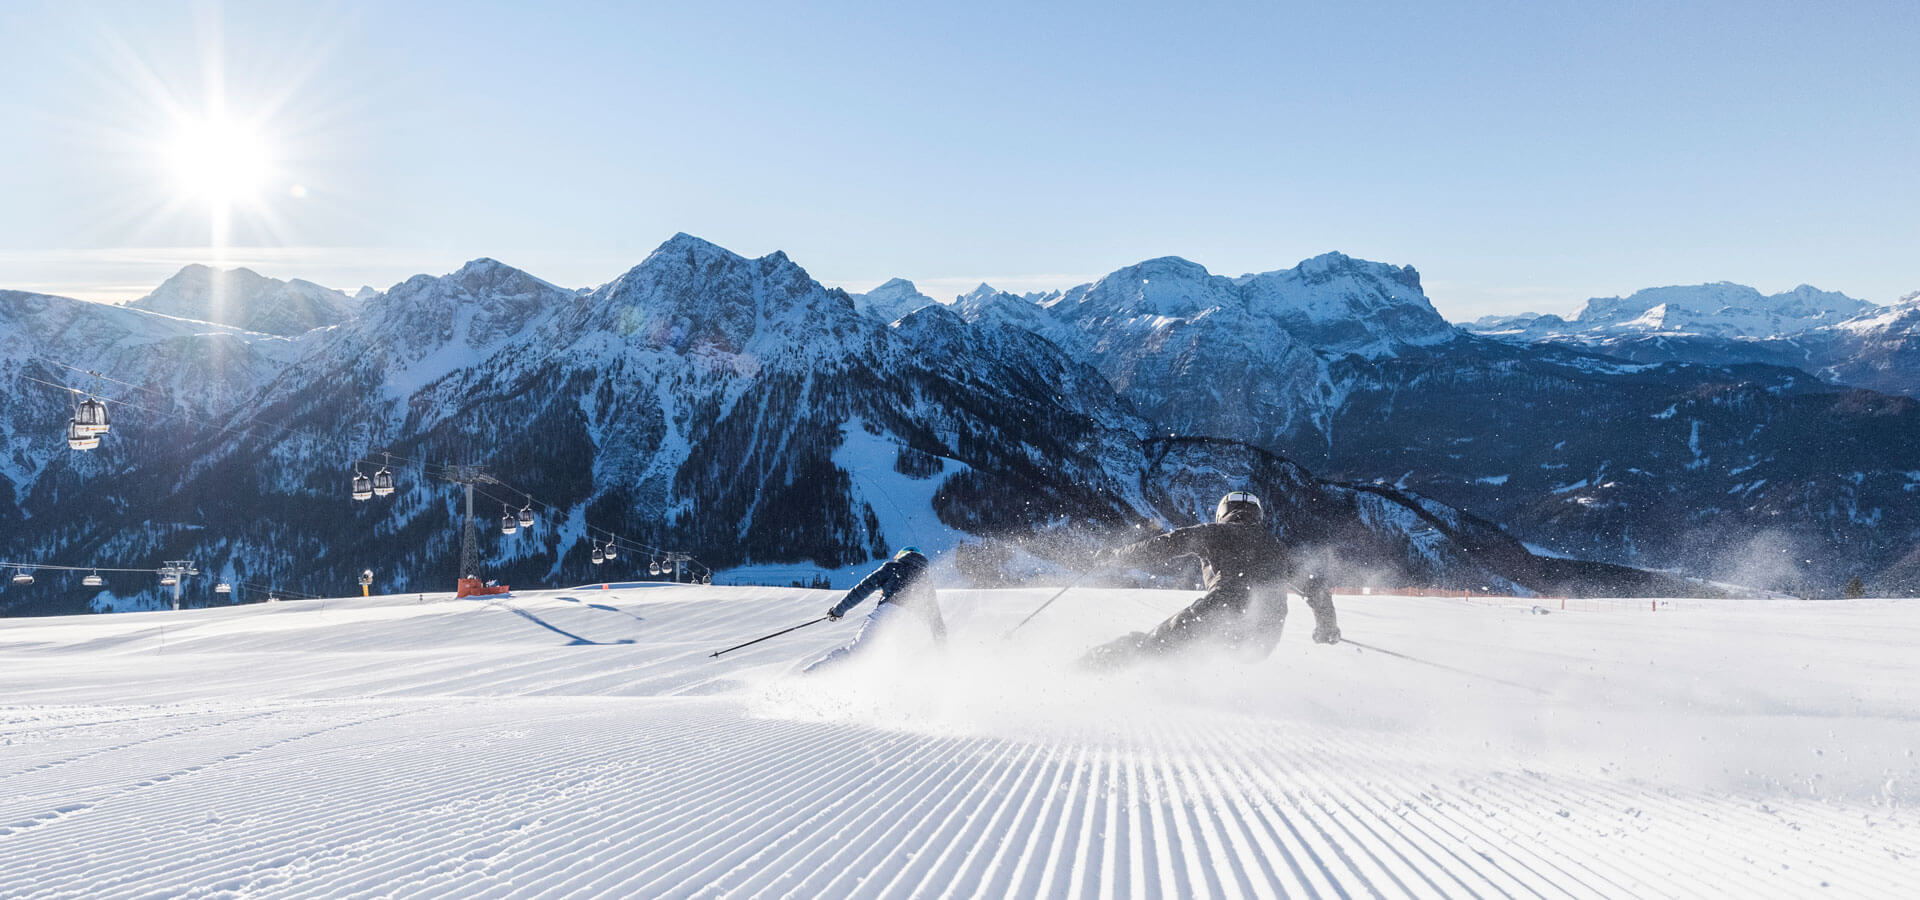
604	608
573	640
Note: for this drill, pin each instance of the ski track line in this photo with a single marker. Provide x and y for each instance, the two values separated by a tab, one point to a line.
1659	862
713	826
755	876
963	832
1342	812
934	836
1011	860
664	796
1058	871
1435	834
1766	823
1423	808
1029	769
100	751
1237	844
1587	802
626	880
875	817
543	805
1182	853
799	746
1030	870
1754	825
1254	838
1428	809
893	849
1094	824
556	819
72	809
1033	869
1281	839
1006	821
122	867
348	724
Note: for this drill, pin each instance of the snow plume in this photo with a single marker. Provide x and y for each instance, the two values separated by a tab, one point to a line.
1456	703
1770	560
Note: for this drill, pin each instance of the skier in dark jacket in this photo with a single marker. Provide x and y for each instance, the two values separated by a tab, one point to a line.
1247	573
904	589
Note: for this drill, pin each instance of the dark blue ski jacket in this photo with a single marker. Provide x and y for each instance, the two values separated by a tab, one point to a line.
902	582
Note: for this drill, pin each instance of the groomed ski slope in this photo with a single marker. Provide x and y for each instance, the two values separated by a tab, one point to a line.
582	743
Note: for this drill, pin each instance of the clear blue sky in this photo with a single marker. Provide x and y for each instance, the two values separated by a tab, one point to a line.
1522	155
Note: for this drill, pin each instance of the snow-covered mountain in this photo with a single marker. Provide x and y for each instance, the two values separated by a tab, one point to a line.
1722	310
737	408
891	300
1169	335
247	300
1838	338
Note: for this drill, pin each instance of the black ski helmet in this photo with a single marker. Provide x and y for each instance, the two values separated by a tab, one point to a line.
1239	505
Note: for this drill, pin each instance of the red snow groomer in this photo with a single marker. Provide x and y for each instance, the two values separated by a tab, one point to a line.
474	587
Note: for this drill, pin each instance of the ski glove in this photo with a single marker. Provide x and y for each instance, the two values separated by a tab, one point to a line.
1325	631
833	616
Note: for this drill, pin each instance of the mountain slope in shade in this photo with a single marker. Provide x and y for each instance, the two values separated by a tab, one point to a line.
247	300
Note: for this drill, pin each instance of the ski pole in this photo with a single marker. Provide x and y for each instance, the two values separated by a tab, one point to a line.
1057	595
1414	659
773	635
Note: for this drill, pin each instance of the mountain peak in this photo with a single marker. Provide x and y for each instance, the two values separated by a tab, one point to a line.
978	294
891	300
1719	308
1334	264
243	298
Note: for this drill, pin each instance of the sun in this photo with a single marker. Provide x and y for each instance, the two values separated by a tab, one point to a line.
219	161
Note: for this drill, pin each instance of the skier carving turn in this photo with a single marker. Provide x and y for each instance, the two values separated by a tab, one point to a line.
1247	573
904	592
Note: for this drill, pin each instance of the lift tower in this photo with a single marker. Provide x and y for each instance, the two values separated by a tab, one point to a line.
468	579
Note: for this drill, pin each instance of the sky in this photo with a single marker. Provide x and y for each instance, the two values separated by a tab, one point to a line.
1520	155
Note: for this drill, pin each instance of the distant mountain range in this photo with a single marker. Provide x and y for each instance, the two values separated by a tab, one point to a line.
1835	337
738	409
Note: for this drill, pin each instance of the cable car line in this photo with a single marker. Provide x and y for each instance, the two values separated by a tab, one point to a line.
381	483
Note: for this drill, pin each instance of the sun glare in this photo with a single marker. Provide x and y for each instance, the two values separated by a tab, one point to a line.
219	161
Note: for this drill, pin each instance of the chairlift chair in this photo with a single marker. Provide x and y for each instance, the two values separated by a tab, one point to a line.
612	551
526	514
91	417
223	588
383	482
653	567
79	438
20	577
362	485
598	556
93	580
509	523
168	581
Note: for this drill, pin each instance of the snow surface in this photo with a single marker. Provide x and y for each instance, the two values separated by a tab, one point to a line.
582	743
